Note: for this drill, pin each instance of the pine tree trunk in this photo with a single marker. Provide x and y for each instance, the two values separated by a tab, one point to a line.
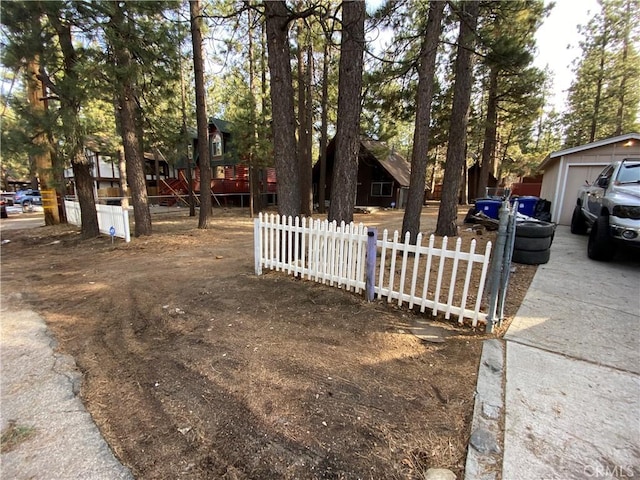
447	214
307	197
201	115
283	123
81	168
345	169
254	184
128	115
263	72
304	134
124	185
39	138
426	72
261	178
463	195
490	132
86	196
187	142
324	107
59	181
134	161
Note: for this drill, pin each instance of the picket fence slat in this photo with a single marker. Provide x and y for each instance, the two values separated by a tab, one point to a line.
383	253
427	275
414	277
452	283
443	260
483	278
392	271
336	255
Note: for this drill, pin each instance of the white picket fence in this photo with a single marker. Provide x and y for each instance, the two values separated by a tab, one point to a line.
424	276
320	251
112	219
422	283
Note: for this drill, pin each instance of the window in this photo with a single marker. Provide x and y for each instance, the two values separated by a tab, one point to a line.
603	178
216	145
629	172
381	189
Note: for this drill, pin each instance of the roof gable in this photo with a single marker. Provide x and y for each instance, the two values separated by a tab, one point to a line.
599	143
393	163
221	125
588	146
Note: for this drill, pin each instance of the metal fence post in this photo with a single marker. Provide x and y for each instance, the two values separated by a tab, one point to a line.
496	265
508	254
370	281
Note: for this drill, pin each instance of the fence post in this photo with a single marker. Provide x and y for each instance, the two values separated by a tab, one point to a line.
508	254
496	265
372	242
257	246
125	220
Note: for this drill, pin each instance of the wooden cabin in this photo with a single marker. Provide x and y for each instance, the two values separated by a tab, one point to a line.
473	178
106	172
383	175
167	182
229	175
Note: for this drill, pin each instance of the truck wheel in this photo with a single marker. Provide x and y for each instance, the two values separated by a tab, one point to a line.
600	246
578	224
26	206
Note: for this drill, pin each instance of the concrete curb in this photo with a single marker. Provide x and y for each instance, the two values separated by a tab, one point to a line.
484	456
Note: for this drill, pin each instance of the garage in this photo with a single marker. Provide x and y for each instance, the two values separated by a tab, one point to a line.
566	170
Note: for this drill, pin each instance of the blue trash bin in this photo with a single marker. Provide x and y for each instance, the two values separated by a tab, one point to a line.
488	206
526	205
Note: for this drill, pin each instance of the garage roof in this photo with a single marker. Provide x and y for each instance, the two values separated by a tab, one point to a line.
600	143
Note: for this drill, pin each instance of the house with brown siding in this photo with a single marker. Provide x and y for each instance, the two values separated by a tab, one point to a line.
383	175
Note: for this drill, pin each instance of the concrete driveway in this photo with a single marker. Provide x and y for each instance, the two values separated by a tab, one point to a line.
572	389
582	308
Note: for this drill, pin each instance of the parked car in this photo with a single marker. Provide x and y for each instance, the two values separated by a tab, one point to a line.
7	197
610	207
27	199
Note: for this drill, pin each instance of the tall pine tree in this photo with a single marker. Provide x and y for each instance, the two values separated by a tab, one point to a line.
456	150
604	98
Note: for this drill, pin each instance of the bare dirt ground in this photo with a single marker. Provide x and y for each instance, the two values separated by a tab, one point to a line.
196	368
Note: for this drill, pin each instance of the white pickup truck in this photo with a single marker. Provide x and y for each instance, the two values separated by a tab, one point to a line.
611	208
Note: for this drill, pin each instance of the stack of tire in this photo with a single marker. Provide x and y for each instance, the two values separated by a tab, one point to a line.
533	241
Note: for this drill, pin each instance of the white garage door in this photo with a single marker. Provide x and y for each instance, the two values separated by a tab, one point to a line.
577	175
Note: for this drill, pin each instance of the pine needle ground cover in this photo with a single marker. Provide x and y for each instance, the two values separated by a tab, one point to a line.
196	368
